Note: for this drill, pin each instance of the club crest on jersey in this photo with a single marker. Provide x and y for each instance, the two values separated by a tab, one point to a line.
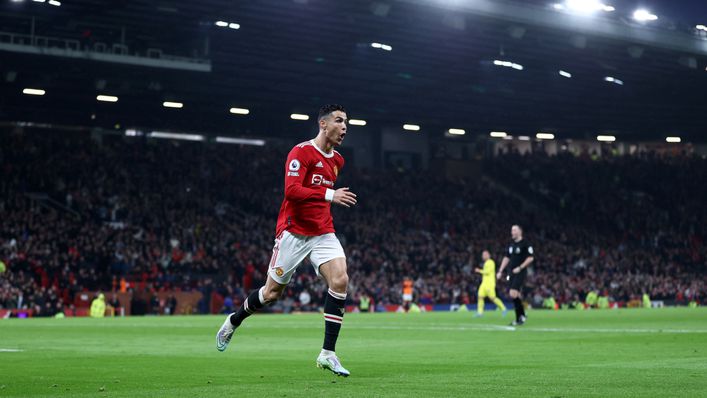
318	179
294	165
279	271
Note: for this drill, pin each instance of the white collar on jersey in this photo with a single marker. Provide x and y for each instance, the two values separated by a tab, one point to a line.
326	155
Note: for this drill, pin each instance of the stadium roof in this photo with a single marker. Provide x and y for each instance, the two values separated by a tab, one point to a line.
448	64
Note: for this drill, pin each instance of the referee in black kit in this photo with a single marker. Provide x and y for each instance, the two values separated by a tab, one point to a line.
519	255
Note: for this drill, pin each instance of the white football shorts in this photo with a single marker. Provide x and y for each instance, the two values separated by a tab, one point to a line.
290	250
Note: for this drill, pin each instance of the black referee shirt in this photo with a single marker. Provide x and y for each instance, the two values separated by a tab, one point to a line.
517	253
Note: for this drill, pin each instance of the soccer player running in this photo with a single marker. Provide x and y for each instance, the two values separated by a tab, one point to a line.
488	285
519	256
305	229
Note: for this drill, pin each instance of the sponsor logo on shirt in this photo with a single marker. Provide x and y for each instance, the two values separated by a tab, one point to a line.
320	164
318	179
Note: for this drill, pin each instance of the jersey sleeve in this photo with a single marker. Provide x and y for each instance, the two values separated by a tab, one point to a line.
529	252
295	171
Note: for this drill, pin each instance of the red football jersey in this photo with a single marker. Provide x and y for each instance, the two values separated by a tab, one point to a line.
310	174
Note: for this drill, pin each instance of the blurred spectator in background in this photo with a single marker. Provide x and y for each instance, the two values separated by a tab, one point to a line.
171	305
155	305
305	300
98	306
364	302
148	216
113	305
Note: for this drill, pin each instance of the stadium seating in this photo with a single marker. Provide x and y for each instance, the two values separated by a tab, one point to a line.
79	214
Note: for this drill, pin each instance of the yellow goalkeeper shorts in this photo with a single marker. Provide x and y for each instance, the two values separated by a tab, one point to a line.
487	291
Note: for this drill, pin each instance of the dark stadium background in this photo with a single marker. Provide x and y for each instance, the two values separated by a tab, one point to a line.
88	197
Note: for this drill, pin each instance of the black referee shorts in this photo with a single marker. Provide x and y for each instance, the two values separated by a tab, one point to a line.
517	281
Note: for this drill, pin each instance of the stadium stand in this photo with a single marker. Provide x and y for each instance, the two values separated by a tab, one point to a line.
153	217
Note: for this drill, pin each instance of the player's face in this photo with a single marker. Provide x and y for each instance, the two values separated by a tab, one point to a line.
334	127
485	255
516	233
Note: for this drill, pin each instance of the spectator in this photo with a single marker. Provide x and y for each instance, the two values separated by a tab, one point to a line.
162	215
98	306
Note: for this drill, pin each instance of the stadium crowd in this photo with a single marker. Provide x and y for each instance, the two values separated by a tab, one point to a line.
111	213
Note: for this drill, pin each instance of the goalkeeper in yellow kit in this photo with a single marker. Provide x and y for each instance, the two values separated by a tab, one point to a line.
488	284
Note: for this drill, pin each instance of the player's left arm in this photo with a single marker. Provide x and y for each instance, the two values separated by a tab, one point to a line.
295	171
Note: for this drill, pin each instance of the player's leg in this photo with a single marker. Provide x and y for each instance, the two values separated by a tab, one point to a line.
518	304
407	301
288	253
499	304
496	300
515	288
258	299
481	294
329	261
334	272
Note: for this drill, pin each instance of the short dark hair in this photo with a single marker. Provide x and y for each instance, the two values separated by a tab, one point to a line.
325	110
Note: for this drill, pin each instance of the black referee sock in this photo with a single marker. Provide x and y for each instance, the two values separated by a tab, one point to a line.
334	307
520	311
252	303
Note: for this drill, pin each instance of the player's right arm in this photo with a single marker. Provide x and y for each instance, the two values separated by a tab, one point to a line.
504	264
295	172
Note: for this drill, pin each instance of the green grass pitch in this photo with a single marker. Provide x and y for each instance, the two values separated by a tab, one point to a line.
610	353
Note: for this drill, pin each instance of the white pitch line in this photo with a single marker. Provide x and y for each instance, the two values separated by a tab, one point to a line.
489	328
580	330
10	350
493	328
263	324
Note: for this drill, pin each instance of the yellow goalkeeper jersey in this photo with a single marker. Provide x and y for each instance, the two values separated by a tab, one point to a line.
488	274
